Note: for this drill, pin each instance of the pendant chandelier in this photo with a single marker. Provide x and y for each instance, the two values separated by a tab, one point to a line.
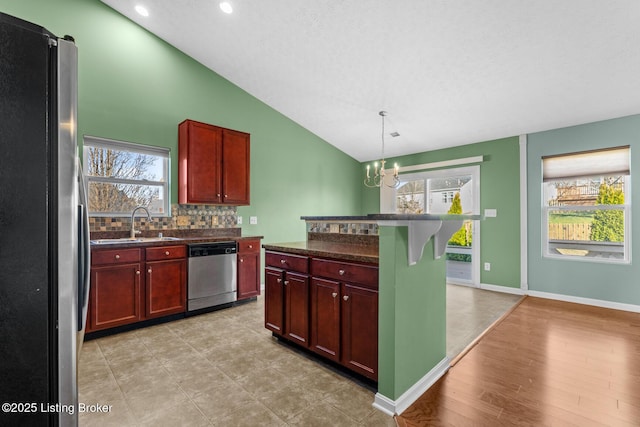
378	177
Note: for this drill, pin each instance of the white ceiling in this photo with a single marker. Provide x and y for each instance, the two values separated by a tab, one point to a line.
448	72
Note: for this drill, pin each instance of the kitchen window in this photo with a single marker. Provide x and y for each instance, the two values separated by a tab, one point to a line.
587	206
122	175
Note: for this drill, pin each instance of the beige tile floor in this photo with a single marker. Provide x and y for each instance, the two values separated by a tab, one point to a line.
470	311
225	369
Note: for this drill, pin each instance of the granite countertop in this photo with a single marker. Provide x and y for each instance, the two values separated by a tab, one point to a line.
342	251
390	217
179	237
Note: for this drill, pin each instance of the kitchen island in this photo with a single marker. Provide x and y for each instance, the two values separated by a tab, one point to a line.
410	296
322	295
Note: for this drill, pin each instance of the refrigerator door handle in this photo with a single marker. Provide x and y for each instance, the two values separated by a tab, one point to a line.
84	284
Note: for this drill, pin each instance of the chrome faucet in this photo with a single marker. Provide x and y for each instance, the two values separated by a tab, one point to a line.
133	230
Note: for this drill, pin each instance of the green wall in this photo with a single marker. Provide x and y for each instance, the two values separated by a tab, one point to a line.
499	189
608	282
135	87
412	313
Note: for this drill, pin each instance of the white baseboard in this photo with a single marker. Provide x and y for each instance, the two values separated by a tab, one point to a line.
587	301
561	297
504	289
466	283
391	407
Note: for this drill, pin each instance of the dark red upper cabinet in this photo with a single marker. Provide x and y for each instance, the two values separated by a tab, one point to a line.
213	164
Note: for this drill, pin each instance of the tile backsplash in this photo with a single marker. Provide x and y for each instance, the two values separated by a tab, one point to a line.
361	228
183	217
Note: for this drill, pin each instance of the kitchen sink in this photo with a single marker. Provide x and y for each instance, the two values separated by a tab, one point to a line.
133	240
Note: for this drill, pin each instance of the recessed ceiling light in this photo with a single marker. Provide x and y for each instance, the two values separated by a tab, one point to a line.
142	10
226	7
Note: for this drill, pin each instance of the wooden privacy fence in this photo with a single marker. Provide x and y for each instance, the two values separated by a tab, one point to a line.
570	231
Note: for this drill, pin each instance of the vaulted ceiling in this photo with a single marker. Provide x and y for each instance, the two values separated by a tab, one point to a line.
447	72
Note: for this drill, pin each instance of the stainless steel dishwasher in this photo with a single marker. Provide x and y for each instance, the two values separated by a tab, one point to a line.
212	278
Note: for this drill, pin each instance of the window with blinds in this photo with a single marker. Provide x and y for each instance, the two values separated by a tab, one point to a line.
587	205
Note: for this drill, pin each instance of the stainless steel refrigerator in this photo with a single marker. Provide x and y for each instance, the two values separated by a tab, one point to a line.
44	244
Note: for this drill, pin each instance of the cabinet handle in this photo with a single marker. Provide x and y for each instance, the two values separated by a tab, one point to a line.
341	272
286	282
241	259
335	294
149	270
283	261
167	253
117	256
346	297
250	246
279	280
218	195
138	272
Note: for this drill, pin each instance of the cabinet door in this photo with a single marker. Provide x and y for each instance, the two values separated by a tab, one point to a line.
325	318
115	296
235	167
360	330
166	287
248	275
200	166
273	300
296	307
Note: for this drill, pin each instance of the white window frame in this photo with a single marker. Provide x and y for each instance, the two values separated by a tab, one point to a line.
388	203
597	172
164	153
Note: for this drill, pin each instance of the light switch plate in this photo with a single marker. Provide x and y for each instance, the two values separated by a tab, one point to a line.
239	221
487	266
253	220
490	213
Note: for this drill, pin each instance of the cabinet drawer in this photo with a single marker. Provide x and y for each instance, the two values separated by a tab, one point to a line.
287	261
246	246
115	256
166	252
345	272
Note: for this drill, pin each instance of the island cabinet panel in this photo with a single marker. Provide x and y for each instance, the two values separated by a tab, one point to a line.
213	164
325	318
350	308
329	306
296	306
346	271
360	330
248	268
115	295
287	296
287	262
274	300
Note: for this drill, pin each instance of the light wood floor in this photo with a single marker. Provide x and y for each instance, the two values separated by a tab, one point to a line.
548	363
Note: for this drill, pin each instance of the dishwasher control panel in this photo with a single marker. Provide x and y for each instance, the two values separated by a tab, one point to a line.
212	248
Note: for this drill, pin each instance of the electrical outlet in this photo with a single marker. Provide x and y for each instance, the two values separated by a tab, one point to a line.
239	221
490	213
487	266
253	220
214	220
